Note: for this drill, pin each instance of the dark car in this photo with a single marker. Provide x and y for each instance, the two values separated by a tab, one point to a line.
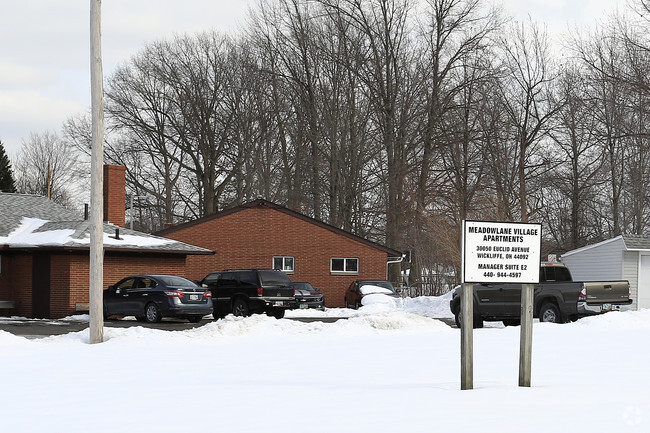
360	288
152	297
246	291
307	296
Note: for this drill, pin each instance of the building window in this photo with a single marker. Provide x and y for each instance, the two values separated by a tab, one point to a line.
344	265
283	263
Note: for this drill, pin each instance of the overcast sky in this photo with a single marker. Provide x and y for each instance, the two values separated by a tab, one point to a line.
44	54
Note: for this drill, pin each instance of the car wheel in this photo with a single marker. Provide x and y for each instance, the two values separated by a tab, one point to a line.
550	313
152	313
240	307
195	319
511	322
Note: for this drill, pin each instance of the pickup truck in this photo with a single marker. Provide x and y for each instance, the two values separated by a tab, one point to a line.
557	298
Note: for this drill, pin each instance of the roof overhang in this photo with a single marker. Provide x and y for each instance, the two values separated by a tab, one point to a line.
75	249
588	247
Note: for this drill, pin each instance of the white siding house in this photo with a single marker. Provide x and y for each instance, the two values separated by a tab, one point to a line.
625	257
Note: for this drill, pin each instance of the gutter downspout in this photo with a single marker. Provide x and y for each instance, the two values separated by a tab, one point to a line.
390	262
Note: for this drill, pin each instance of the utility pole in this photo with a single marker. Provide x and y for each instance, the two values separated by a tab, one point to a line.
49	178
96	177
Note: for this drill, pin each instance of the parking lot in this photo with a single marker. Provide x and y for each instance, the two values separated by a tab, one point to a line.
38	328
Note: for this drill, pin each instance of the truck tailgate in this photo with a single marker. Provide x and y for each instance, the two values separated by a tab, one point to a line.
612	292
278	292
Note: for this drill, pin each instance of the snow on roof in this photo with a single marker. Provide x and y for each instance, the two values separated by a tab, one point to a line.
35	232
25	235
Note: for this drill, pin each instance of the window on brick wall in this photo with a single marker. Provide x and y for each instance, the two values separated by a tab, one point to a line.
344	265
284	263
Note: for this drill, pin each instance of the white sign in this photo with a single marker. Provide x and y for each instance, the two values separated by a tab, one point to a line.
495	252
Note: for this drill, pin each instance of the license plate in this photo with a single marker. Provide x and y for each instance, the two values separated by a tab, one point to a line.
607	307
304	306
278	303
194	297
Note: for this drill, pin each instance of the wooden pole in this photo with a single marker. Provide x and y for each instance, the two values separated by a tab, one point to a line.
96	178
467	336
526	336
49	178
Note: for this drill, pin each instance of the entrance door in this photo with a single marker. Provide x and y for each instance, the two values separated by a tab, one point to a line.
643	290
41	286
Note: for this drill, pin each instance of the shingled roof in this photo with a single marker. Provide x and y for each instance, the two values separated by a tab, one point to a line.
637	242
28	221
14	207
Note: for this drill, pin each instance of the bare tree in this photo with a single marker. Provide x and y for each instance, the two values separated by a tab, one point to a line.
603	55
139	107
576	178
528	100
388	74
47	165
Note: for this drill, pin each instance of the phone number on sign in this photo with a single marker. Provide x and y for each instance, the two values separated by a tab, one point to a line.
502	274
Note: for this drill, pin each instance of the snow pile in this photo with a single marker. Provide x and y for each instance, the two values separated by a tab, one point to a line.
369	288
428	306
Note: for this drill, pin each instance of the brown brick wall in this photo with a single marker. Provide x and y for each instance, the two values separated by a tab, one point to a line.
16	283
115	194
69	275
116	267
251	237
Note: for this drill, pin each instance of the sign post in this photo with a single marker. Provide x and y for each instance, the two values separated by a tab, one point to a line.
526	334
498	252
467	337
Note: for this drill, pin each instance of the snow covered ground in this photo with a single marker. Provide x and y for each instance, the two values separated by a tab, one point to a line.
387	368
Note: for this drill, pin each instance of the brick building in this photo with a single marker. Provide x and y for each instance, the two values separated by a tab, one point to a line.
44	252
265	235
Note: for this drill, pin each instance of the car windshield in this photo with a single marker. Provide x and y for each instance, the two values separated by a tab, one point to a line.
172	281
384	284
274	278
304	286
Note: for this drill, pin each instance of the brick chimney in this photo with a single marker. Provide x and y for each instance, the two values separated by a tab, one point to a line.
115	194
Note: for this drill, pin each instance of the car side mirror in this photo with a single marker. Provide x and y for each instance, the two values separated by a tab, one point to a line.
118	291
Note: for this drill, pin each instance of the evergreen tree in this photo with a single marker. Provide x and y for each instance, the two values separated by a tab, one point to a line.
6	177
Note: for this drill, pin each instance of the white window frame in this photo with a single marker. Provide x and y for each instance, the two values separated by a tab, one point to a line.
345	271
285	268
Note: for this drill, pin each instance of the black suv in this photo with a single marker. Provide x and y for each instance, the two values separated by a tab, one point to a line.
246	291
